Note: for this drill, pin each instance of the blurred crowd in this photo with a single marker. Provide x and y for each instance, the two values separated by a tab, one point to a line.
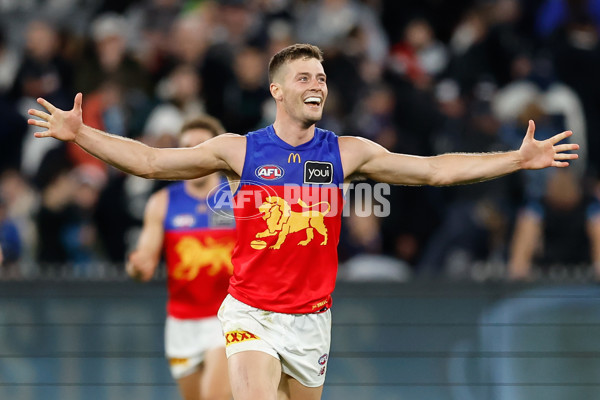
419	77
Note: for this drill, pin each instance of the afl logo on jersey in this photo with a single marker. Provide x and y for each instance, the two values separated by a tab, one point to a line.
184	221
269	172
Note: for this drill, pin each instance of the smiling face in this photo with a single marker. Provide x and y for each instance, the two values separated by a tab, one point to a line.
300	88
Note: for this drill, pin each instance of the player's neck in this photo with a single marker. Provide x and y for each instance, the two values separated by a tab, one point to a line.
293	132
200	188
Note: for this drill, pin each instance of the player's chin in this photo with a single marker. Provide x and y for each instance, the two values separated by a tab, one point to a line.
313	117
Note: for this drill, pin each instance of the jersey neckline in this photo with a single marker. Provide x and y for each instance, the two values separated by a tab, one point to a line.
285	145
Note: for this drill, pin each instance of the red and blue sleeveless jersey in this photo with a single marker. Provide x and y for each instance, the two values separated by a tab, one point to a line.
288	211
198	244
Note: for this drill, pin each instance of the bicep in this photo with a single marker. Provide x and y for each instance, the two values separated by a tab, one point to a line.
185	163
362	157
216	154
400	169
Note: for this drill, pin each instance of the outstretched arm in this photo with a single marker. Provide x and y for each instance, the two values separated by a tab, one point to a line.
132	156
365	158
142	262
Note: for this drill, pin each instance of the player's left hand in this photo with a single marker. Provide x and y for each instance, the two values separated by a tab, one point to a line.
537	154
59	124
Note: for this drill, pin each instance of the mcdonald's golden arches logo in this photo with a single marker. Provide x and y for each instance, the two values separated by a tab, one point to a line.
294	158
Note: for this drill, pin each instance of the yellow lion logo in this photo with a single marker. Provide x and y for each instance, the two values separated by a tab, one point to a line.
281	220
194	255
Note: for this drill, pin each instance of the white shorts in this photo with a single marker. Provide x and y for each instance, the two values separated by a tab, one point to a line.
300	341
187	340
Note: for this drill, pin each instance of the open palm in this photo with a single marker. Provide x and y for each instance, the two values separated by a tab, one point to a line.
59	124
537	154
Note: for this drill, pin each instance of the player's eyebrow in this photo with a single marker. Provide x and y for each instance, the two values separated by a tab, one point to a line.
318	74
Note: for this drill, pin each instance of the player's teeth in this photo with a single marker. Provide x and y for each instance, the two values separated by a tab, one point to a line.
313	100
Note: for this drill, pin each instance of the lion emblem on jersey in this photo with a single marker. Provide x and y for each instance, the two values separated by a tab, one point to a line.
195	255
281	220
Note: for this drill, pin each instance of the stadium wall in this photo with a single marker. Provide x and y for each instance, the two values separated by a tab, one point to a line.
432	340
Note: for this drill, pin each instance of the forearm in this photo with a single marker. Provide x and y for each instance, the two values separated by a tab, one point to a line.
460	168
128	155
442	170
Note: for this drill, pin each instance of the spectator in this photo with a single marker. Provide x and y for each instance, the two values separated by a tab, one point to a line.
327	23
561	230
360	250
42	72
106	108
536	90
474	222
52	220
12	133
10	243
109	58
574	49
184	41
375	116
117	215
245	97
181	100
552	14
420	55
21	204
9	62
80	236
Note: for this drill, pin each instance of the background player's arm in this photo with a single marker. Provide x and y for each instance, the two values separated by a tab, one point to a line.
365	158
132	156
526	238
142	262
593	230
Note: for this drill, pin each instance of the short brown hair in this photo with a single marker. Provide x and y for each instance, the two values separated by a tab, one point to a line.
291	53
206	122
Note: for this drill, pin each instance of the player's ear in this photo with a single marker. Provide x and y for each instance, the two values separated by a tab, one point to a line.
275	89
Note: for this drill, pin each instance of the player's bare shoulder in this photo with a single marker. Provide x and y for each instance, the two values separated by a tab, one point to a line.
156	207
231	148
355	152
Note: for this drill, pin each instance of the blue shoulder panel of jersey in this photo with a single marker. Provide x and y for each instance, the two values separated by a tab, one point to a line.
187	212
271	161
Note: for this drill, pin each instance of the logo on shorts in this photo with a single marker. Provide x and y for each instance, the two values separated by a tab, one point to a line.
323	359
178	361
239	337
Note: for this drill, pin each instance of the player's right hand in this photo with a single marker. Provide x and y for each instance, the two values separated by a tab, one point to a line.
139	267
59	124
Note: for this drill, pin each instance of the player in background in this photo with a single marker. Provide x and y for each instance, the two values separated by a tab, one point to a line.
277	317
197	243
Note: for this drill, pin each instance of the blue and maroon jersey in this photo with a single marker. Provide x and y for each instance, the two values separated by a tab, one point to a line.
198	243
288	212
